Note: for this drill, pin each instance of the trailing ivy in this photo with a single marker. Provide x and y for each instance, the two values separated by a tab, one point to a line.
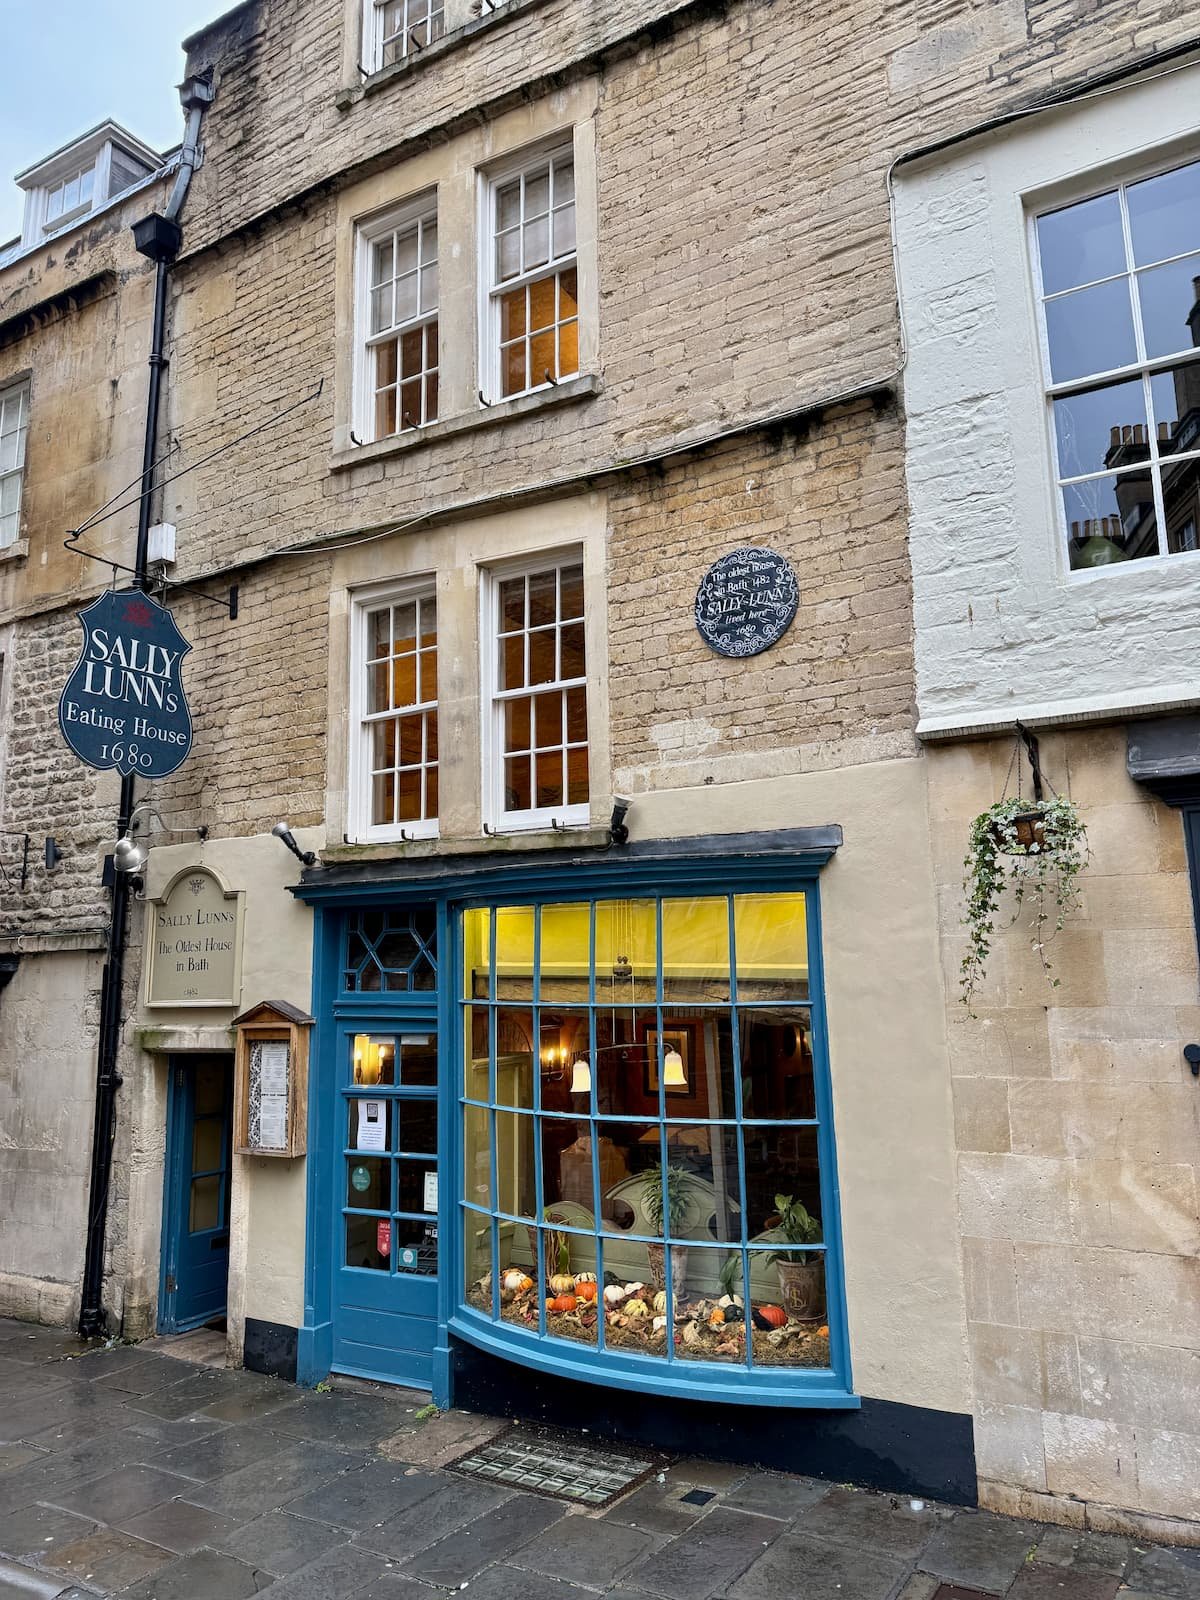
1043	873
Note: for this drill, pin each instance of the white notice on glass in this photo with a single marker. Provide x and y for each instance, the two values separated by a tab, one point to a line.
272	1122
372	1125
431	1191
274	1067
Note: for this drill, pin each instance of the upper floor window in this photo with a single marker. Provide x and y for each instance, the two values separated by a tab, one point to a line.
533	302
399	333
395	775
70	195
538	693
402	27
1120	291
14	425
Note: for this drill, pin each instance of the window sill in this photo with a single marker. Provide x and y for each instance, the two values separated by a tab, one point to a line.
688	1380
568	393
17	551
549	839
351	94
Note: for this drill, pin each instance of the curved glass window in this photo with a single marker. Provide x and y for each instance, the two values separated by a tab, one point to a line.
643	1130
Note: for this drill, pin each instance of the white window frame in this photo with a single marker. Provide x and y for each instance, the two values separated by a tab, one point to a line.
373	24
1143	367
421	209
82	207
20	393
364	603
492	699
492	180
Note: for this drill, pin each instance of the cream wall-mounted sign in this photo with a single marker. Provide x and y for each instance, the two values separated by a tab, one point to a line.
194	942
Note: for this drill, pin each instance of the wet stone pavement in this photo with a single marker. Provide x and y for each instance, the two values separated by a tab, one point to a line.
129	1471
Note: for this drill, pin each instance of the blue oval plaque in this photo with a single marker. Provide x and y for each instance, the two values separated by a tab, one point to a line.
746	601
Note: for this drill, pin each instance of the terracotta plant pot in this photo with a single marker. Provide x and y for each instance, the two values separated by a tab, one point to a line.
658	1267
1030	830
802	1289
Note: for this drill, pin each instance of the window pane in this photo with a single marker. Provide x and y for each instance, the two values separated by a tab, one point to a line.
695	935
514	1057
368	1242
418	1126
548	710
542	304
211	1083
571	591
577	775
548	786
373	1060
771	940
512	604
793	1282
368	1183
1181	498
383	800
416	1245
536	243
1164	214
406	297
512	661
1081	243
208	1137
508	255
515	1189
543	668
429	288
568	350
204	1209
404	681
365	1117
1090	330
1110	519
573	651
537	194
409	791
1101	428
515	375
518	784
1170	302
543	598
508	204
385	413
564	231
410	1185
517	728
1176	400
418	1062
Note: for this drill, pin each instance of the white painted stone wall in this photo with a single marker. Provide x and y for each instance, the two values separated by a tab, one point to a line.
1003	628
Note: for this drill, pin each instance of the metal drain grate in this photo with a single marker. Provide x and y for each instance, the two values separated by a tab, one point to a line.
542	1462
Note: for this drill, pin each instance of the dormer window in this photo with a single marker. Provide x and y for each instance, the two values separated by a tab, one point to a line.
80	179
70	196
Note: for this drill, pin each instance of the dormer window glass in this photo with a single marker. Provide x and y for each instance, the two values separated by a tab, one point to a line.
70	195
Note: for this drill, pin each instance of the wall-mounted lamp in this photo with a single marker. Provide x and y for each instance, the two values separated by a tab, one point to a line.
674	1076
128	855
372	1060
618	833
281	831
52	855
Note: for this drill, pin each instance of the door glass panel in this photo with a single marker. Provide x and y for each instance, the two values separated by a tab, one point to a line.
418	1187
208	1141
370	1124
368	1242
416	1247
418	1062
418	1127
210	1089
368	1183
204	1211
374	1060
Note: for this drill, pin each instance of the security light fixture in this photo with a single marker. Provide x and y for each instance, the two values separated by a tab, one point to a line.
618	833
281	831
129	856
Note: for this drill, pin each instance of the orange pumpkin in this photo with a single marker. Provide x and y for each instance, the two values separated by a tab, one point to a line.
773	1316
823	1331
716	1318
562	1303
586	1290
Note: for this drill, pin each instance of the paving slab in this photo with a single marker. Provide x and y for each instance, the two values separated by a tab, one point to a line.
659	1508
882	1523
152	1436
19	1455
269	1484
34	1530
342	1419
448	1506
19	1583
775	1494
1085	1552
225	1450
118	1495
442	1439
512	1583
588	1546
716	1551
280	1543
340	1574
1174	1574
980	1550
178	1526
818	1569
108	1560
1045	1581
457	1559
203	1575
365	1497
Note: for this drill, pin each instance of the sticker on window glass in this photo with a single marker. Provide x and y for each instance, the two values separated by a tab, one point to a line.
372	1125
431	1191
383	1238
361	1179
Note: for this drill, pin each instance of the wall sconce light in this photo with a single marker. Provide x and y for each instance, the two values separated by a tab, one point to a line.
371	1056
674	1077
52	854
581	1076
281	831
128	855
618	833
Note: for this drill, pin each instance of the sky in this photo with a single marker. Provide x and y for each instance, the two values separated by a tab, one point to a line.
66	65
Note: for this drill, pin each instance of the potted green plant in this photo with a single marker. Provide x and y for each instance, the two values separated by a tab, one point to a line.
801	1272
1038	851
665	1199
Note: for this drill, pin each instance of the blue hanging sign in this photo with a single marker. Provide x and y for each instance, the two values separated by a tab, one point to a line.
123	705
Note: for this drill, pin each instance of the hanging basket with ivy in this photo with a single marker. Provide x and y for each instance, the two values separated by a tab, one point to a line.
1035	849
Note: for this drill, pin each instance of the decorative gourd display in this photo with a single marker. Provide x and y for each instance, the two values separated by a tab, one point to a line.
614	1295
660	1301
587	1291
562	1283
771	1316
716	1317
636	1308
562	1303
584	1277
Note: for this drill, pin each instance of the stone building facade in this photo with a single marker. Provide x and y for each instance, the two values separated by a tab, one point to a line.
742	379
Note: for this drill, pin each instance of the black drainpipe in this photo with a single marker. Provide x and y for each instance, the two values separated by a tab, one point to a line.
158	237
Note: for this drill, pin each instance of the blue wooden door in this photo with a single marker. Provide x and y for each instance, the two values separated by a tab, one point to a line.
196	1214
386	1245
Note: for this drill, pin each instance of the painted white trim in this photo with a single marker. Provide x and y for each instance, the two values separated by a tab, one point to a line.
364	600
417	208
1000	620
491	741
